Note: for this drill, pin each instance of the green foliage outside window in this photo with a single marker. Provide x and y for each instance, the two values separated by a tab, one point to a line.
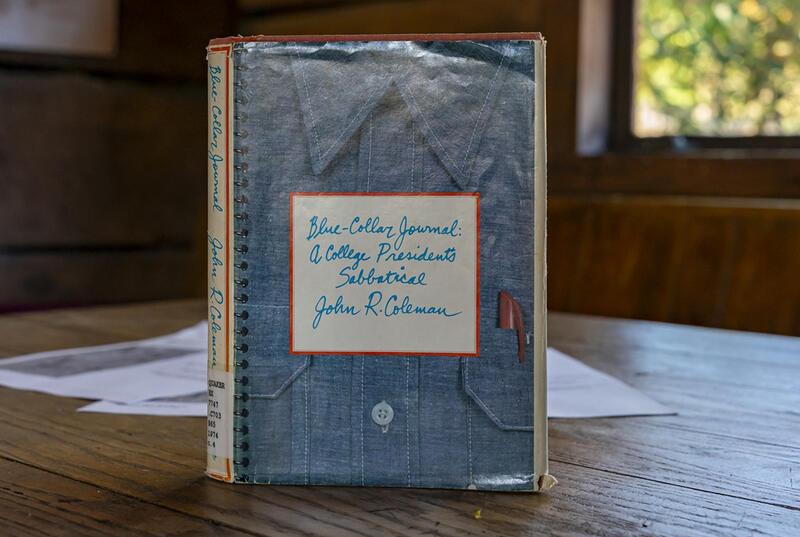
717	68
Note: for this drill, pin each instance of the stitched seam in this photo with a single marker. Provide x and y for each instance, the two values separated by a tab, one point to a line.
486	408
408	439
308	380
435	138
469	424
483	106
352	120
422	166
413	149
310	108
362	420
283	386
491	414
369	154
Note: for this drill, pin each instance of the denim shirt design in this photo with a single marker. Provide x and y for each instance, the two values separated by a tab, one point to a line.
390	117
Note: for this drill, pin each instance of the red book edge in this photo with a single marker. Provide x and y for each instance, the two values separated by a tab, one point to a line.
508	36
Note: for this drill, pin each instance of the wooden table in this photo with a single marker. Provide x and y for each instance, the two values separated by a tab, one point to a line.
728	464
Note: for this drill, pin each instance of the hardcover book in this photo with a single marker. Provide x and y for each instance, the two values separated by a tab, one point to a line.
376	246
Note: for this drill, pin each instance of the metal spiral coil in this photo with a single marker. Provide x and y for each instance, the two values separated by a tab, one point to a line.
240	232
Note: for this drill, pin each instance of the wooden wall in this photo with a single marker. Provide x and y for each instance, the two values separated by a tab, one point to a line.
104	196
102	163
721	262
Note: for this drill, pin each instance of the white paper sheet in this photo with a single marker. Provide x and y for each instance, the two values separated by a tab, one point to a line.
148	408
124	372
575	390
188	405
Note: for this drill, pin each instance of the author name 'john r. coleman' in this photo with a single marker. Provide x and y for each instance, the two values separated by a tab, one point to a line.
393	307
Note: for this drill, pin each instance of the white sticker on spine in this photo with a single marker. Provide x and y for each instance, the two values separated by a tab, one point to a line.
219	397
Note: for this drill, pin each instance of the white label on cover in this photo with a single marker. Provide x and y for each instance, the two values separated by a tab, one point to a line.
220	392
385	273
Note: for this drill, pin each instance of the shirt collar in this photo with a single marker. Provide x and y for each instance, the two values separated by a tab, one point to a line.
450	89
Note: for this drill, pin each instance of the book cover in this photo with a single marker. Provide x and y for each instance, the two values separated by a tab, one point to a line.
376	243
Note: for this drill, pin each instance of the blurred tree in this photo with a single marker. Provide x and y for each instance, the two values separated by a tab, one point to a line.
717	68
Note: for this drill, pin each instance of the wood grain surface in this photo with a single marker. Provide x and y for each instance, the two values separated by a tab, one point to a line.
725	465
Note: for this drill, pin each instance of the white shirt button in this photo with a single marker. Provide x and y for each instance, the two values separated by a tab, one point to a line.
382	414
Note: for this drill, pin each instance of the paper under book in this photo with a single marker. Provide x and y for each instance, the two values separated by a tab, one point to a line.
376	211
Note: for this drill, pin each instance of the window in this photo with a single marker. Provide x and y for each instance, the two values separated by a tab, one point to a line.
708	73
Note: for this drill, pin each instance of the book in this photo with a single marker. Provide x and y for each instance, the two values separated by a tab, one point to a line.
376	252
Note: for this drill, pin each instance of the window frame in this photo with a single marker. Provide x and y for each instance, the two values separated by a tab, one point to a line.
621	135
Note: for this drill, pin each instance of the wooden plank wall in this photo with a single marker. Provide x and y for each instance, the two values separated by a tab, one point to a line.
709	239
103	172
729	263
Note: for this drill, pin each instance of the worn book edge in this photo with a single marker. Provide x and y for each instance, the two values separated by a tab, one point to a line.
542	480
219	436
321	38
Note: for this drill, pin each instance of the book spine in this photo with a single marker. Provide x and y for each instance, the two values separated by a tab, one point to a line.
220	434
543	480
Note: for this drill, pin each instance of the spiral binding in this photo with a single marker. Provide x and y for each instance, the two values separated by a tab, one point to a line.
240	411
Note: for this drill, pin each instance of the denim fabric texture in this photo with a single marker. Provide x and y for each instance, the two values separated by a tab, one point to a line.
386	116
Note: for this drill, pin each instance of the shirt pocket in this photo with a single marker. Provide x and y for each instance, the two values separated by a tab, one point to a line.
271	406
498	382
271	369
